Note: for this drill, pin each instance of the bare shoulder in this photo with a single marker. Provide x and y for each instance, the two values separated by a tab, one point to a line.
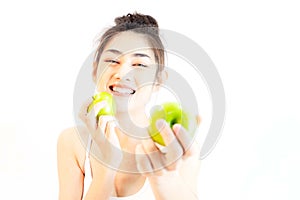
70	163
71	141
72	135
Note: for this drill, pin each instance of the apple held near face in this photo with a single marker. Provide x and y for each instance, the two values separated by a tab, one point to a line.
172	113
110	107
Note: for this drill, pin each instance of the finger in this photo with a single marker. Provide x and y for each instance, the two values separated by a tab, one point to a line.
88	120
142	161
99	137
111	134
101	130
165	131
173	149
98	106
83	110
185	140
112	141
103	122
92	114
198	120
153	153
173	156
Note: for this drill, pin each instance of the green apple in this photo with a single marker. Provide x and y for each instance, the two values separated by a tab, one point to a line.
172	113
109	109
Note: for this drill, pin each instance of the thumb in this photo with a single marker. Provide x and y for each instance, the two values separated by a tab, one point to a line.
111	134
98	106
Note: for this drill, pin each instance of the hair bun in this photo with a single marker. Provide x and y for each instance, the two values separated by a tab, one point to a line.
137	19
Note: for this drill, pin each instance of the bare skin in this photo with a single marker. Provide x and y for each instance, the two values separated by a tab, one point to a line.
177	180
71	173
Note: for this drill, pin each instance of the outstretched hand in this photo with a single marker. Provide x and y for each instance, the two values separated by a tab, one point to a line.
154	160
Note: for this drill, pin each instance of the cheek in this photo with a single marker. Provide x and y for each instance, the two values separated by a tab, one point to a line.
100	86
102	79
143	94
145	77
145	81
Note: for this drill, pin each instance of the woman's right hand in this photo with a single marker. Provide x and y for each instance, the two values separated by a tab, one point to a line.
107	151
103	132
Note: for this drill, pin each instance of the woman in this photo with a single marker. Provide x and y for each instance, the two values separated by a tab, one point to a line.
122	160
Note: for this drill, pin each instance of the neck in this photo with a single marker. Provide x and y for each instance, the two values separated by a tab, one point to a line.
133	129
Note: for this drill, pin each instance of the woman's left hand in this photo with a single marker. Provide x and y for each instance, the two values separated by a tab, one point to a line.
154	160
165	168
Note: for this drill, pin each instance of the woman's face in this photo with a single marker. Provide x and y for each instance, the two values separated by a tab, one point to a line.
127	70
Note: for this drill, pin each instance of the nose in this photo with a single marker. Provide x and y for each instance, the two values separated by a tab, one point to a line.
125	72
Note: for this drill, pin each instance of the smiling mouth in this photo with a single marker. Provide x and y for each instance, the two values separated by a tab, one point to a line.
121	90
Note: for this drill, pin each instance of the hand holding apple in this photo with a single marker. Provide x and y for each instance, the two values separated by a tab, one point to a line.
172	113
109	109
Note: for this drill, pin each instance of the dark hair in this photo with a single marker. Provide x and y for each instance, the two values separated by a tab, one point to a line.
138	23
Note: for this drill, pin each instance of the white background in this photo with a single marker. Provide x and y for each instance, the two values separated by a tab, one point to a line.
255	46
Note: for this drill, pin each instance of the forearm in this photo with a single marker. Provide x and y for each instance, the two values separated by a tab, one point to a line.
102	185
172	188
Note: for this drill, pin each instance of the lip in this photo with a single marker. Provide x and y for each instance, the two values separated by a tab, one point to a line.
110	88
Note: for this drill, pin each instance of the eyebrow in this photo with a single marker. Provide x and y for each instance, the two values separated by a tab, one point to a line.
115	51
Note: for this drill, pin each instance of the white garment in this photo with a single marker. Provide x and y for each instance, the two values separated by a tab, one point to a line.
144	193
87	167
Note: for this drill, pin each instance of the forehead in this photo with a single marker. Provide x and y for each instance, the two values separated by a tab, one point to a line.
130	42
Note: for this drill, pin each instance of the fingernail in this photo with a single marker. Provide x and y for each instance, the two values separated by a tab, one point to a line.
176	127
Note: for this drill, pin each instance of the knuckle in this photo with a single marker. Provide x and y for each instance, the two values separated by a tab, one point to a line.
110	123
172	167
180	152
86	120
149	145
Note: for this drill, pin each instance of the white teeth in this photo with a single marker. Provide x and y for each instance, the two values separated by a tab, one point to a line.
123	90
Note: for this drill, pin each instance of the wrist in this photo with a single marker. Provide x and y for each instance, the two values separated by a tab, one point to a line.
172	187
166	178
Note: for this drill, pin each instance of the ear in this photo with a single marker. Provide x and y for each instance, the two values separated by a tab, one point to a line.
94	74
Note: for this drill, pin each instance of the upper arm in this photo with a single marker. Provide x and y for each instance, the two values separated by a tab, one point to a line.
69	172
